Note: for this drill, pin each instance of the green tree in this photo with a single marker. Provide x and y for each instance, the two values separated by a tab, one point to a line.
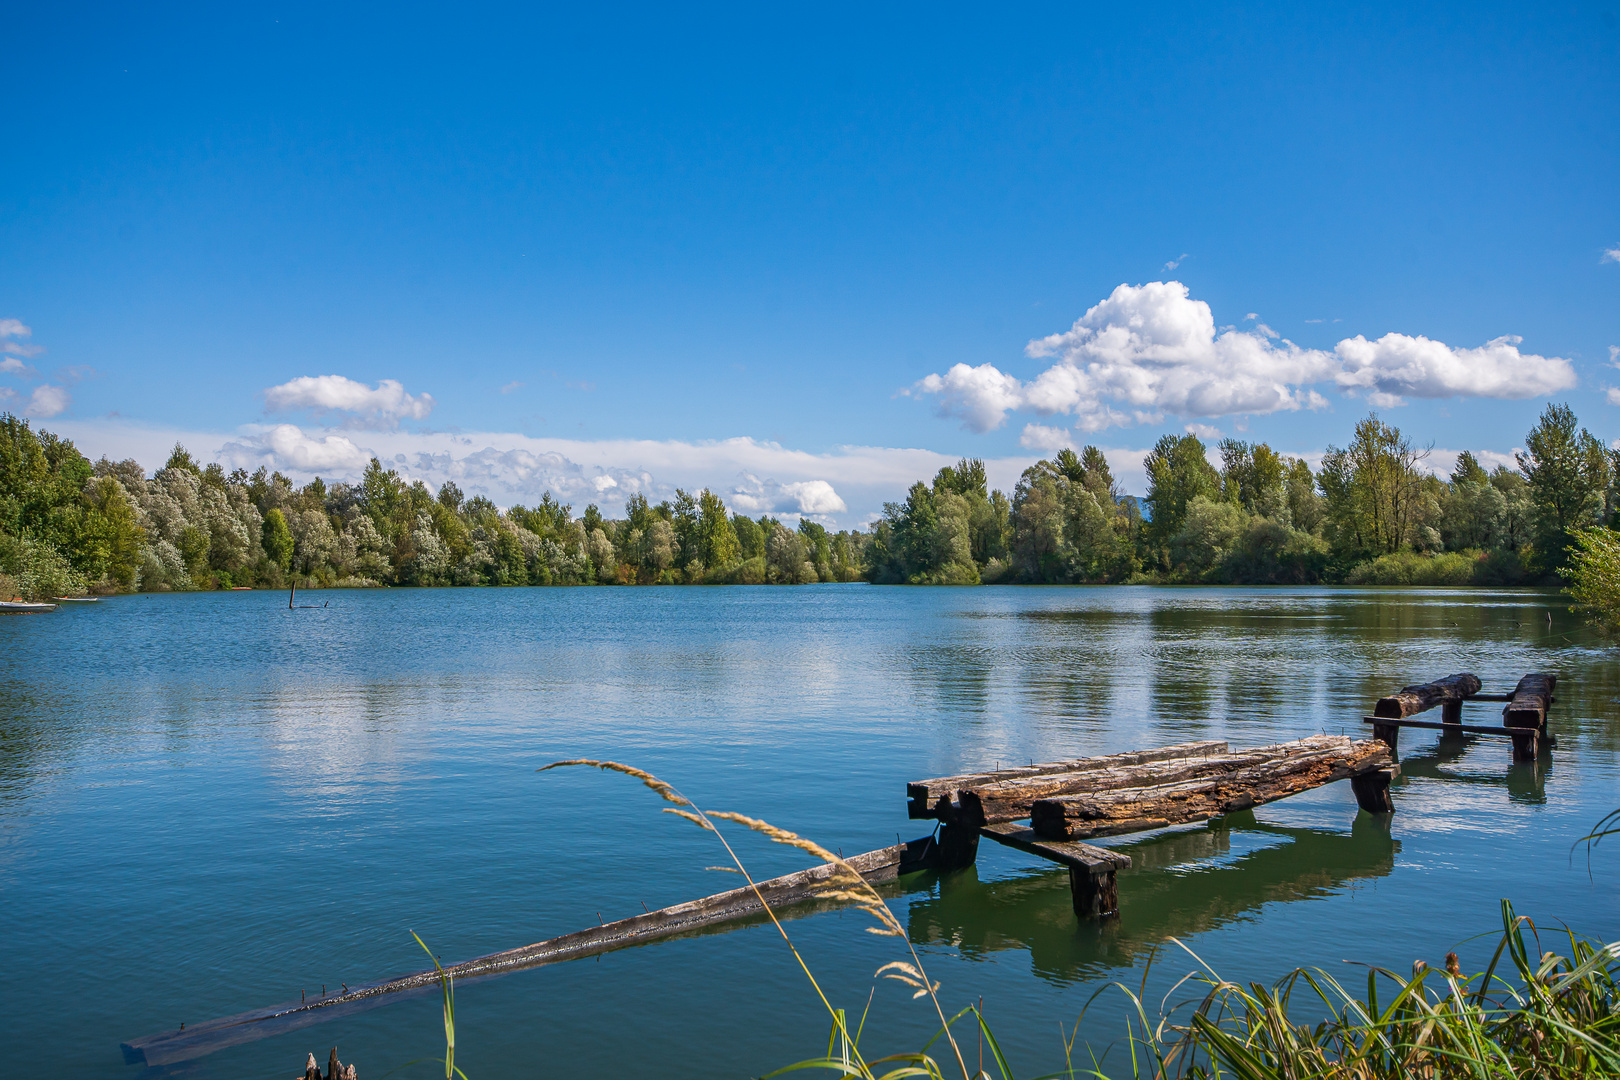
1568	474
1178	472
277	539
716	540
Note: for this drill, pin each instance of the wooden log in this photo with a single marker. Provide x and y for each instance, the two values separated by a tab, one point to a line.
1425	696
196	1040
1077	817
1527	714
924	796
1372	789
1011	800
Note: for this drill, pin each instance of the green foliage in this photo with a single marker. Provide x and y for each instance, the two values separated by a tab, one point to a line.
1594	577
1409	568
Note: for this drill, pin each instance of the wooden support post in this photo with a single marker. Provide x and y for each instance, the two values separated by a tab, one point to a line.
1527	714
1389	735
1451	712
1096	893
1372	790
958	847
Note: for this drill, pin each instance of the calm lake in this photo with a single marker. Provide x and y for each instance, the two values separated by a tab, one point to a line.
210	803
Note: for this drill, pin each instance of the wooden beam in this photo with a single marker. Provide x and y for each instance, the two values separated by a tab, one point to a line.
1324	760
1372	789
1070	853
924	796
1425	696
1011	800
1471	729
196	1040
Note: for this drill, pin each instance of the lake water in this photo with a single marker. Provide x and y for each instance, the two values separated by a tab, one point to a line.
210	803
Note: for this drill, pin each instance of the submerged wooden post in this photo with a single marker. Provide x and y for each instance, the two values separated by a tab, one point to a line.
1451	712
1372	790
1526	714
1095	892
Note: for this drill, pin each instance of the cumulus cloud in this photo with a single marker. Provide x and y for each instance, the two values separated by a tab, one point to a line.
1611	255
981	396
802	498
1045	439
1151	350
1397	365
47	401
1205	431
387	403
12	366
285	446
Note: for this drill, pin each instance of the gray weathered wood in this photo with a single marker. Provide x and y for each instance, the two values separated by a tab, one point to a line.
924	796
1320	760
1416	699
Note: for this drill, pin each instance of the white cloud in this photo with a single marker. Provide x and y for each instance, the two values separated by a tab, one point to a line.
1173	263
1396	365
1611	255
47	401
286	447
1205	431
1151	350
13	328
980	396
12	366
387	403
511	386
1045	439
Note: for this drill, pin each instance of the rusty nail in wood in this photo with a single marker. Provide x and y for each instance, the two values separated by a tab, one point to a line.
599	918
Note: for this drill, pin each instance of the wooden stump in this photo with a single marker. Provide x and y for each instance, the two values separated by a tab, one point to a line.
335	1069
1096	894
1372	790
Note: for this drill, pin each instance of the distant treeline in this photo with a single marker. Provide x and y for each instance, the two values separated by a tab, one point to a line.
1371	515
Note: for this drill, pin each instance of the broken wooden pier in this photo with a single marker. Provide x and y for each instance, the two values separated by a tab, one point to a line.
1070	802
1524	716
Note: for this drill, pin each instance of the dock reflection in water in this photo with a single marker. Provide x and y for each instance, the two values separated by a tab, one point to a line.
1181	883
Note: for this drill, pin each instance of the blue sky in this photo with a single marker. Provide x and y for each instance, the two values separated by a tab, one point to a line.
628	249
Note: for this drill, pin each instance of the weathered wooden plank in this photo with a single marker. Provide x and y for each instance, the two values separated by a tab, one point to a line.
1330	758
196	1040
1416	699
1071	853
1011	800
923	796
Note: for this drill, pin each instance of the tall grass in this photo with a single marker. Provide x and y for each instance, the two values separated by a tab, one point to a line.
1529	1015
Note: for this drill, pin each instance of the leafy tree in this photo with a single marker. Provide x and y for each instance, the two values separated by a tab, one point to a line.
1568	474
715	539
277	539
1178	472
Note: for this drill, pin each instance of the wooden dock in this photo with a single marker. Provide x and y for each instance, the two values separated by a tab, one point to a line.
1069	802
1524	716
